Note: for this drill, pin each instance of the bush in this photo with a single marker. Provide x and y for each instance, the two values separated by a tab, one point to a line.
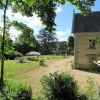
41	62
60	87
13	54
15	91
32	58
91	92
94	67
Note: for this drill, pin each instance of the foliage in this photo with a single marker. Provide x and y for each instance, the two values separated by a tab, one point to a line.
32	58
15	91
45	12
83	5
94	67
41	62
45	9
8	43
27	34
13	54
48	12
47	41
60	87
91	91
23	48
70	44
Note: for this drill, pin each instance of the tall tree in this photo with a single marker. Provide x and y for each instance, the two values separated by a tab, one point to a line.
26	40
3	42
47	41
27	34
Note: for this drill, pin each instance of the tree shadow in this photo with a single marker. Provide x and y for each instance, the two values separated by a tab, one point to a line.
44	65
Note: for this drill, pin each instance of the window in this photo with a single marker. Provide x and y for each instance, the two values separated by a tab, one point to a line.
92	44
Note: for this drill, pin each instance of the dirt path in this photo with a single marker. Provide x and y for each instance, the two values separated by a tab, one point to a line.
62	65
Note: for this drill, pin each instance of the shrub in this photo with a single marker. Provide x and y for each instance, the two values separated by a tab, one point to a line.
13	54
48	58
32	58
41	62
15	91
91	92
21	60
60	87
94	67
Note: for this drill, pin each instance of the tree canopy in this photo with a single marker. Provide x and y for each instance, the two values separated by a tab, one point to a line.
27	34
45	9
47	41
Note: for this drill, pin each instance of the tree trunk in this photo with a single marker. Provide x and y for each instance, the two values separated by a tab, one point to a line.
2	48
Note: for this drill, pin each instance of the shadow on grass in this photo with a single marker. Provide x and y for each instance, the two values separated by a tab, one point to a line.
44	65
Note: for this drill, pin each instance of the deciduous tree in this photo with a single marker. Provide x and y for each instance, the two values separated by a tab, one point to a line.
47	41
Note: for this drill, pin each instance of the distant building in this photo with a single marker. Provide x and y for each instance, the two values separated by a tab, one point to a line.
61	47
86	30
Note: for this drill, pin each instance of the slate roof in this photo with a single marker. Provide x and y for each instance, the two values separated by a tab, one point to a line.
88	23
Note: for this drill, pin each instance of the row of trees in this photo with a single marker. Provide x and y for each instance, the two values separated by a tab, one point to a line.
46	42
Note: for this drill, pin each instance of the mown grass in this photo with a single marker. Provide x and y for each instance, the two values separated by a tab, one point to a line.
14	69
49	57
22	72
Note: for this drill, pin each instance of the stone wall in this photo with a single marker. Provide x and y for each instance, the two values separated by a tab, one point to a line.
82	51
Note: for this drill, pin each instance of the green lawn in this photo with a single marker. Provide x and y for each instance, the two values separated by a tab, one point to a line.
14	69
48	57
29	73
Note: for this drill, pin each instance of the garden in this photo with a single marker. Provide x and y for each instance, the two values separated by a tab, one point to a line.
50	74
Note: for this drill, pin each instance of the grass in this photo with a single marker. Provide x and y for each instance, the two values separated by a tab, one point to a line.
13	69
29	73
48	57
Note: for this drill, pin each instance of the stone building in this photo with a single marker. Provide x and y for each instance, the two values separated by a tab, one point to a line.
86	30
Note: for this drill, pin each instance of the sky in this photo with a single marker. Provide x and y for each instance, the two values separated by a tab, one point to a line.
63	20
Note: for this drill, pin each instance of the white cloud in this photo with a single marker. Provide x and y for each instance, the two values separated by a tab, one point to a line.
30	21
16	16
34	21
59	9
63	35
14	33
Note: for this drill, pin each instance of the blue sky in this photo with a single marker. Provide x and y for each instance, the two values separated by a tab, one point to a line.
63	20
